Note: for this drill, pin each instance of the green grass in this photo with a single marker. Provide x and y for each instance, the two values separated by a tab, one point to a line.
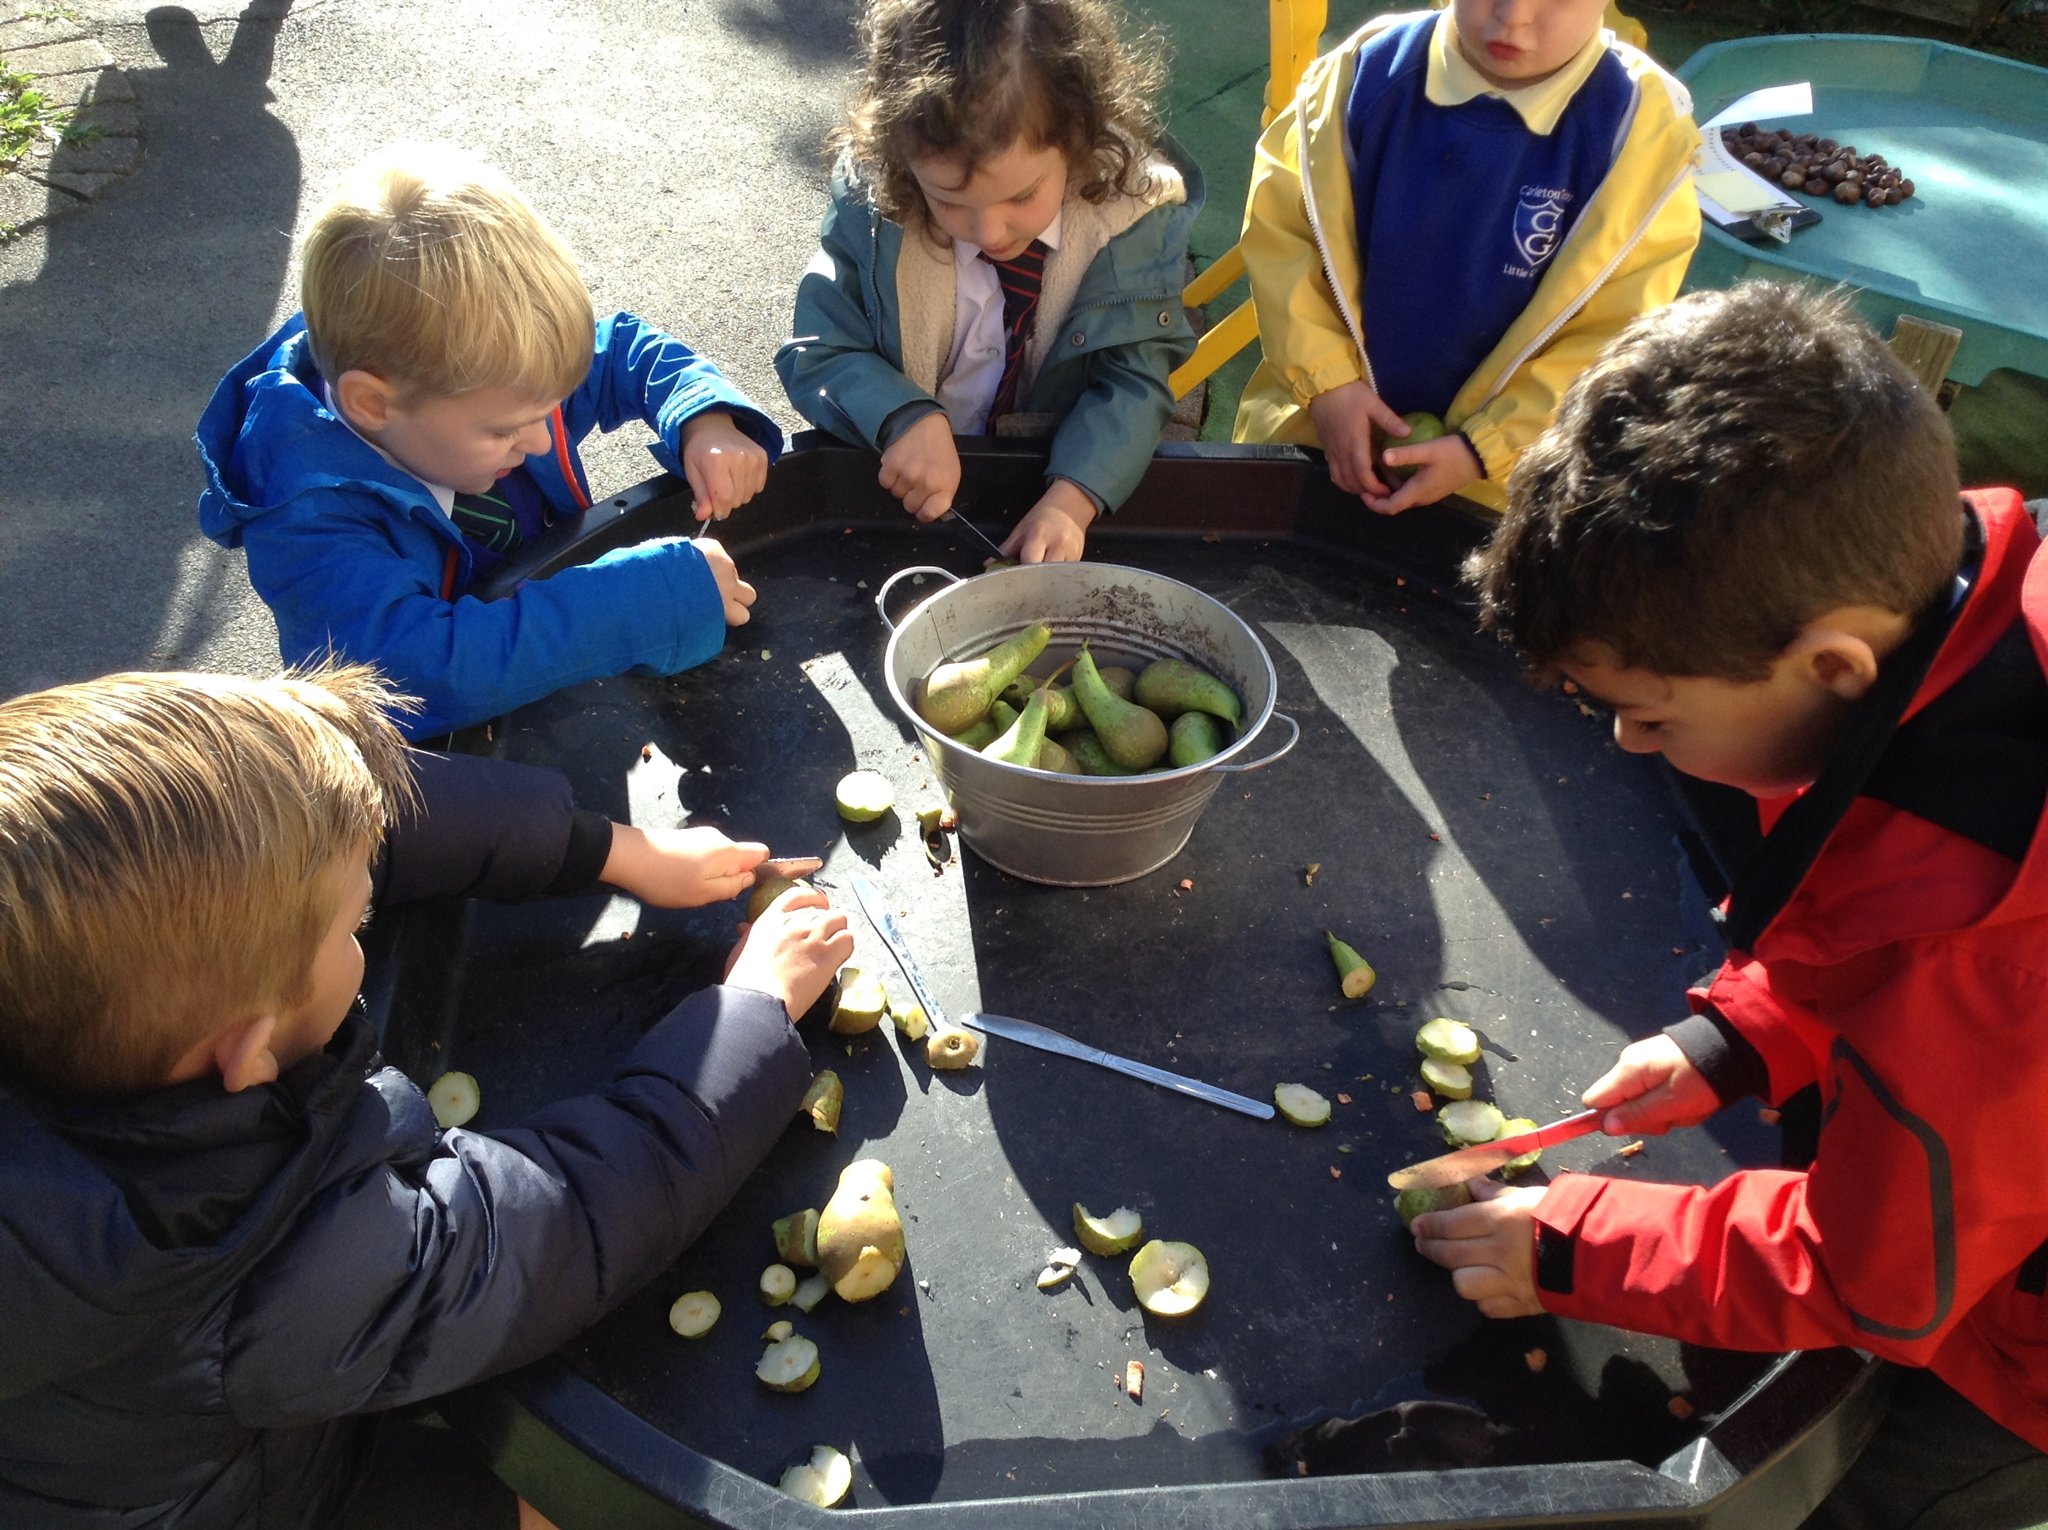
26	116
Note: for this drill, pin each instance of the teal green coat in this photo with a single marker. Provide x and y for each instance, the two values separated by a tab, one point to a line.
1101	364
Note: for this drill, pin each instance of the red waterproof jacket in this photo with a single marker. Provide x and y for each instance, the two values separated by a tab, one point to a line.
1906	974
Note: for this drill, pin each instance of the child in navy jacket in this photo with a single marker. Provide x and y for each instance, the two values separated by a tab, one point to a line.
237	1237
418	423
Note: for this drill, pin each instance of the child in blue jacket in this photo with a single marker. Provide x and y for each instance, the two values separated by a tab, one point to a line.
1003	254
418	422
231	1237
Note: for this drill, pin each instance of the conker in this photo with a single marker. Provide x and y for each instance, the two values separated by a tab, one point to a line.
1847	192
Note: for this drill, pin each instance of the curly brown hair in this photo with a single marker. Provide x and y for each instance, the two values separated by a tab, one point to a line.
969	78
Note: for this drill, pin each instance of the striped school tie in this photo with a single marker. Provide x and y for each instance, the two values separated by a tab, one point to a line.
1020	280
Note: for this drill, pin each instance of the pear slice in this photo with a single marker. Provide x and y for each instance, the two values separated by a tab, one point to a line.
693	1313
1170	1279
810	1291
951	1049
823	1480
912	1023
1450	1041
862	1003
1467	1123
788	1365
778	1284
863	796
823	1101
1451	1080
454	1098
778	1330
1354	973
1528	1160
1301	1104
1113	1234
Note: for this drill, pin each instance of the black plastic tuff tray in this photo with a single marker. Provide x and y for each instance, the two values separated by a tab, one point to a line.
1484	843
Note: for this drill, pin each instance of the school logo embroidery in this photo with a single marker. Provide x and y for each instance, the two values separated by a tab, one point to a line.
1539	225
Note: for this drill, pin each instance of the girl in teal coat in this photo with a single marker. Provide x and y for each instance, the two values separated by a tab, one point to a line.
1003	254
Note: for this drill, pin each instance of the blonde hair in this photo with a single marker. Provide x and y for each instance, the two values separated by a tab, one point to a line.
162	844
428	269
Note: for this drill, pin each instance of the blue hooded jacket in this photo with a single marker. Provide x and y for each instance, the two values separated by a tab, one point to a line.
353	554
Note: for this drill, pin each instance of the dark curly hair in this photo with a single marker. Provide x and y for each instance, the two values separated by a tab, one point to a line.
1730	467
969	78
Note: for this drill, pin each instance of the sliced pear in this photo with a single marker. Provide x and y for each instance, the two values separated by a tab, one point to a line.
454	1098
1413	1203
1514	1128
1301	1104
1466	1123
778	1330
823	1101
1113	1234
1451	1080
823	1480
1450	1041
788	1365
693	1313
778	1284
796	1238
811	1290
1053	1276
864	795
862	1003
951	1049
1170	1279
912	1023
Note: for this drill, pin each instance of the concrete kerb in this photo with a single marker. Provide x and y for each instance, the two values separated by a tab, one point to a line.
73	70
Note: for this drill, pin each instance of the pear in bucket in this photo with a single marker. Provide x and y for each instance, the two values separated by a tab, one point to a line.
957	695
1133	737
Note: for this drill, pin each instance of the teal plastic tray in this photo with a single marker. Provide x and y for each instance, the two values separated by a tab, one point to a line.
1970	248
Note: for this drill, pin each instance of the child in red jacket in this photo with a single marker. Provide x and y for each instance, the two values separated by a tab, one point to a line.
1744	535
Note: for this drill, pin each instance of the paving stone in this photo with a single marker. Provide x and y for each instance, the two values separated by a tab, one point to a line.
111	155
19	32
52	60
85	188
113	118
86	88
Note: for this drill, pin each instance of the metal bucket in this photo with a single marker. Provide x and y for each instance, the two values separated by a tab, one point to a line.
1078	831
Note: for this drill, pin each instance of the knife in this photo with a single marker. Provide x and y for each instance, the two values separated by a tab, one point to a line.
790	865
1471	1162
955	515
885	926
1046	1039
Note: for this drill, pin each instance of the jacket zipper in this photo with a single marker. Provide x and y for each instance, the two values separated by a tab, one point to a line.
1315	232
1599	280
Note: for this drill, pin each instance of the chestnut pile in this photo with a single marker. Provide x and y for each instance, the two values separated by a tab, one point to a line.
1820	167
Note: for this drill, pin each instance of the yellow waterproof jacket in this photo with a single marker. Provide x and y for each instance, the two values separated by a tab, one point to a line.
1627	254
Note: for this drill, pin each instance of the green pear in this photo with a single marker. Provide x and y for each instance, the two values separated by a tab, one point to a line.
978	736
1124	682
1062	711
957	695
1021	742
1052	756
1135	738
1173	686
1089	754
1193	738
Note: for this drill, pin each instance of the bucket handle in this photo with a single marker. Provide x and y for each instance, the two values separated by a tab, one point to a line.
1293	738
882	595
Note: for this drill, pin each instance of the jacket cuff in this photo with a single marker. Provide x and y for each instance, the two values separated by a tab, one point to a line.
1555	1229
1721	1054
590	846
901	419
1490	446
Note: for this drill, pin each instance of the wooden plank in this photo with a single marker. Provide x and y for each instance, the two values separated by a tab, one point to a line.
1926	349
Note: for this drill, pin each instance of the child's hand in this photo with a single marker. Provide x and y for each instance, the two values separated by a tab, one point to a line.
680	868
1344	419
1442	468
733	590
1055	529
725	466
793	950
1651	1088
1489	1247
922	467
